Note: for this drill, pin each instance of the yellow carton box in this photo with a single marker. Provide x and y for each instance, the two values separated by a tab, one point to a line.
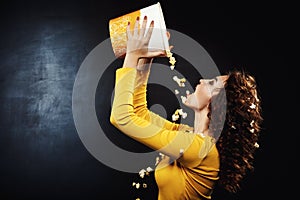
117	29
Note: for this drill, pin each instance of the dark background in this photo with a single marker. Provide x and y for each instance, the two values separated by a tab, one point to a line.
43	44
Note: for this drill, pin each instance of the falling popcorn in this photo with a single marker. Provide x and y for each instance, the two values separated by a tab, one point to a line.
176	91
144	185
172	60
180	81
137	185
169	53
187	92
253	106
175	117
251	123
149	169
252	130
183	99
179	111
175	78
162	155
256	145
183	114
142	173
157	160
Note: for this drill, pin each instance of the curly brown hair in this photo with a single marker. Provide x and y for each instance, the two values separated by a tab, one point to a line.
239	125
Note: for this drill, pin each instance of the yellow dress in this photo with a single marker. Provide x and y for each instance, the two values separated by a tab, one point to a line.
191	165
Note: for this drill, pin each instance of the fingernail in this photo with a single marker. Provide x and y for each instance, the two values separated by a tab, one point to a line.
145	17
138	18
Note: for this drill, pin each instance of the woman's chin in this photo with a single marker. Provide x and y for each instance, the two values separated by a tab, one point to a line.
186	103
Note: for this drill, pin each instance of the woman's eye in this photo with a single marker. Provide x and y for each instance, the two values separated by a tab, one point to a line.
211	82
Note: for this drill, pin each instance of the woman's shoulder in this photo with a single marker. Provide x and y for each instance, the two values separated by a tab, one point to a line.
208	147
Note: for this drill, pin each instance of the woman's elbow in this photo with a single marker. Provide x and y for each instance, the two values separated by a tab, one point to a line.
113	121
114	117
118	119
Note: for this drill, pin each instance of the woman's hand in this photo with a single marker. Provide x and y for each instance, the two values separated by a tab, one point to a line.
144	64
137	44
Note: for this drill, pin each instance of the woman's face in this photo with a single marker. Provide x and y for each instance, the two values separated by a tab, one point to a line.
204	91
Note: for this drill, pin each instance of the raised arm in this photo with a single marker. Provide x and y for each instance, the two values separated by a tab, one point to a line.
170	142
140	100
174	143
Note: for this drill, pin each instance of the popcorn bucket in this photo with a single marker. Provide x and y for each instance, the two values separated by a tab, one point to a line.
158	40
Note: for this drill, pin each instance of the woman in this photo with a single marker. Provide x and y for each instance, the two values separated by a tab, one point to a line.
195	158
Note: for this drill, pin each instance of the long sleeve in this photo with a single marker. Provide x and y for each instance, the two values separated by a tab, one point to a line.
140	104
174	143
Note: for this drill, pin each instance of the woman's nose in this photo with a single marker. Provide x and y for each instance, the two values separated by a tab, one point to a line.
203	81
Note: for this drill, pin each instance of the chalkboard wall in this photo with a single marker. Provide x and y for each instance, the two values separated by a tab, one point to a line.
43	44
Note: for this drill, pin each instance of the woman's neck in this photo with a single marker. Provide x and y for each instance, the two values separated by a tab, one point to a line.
201	121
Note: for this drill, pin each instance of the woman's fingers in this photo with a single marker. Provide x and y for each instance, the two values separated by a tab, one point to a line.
143	29
168	35
150	30
139	37
128	31
136	26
